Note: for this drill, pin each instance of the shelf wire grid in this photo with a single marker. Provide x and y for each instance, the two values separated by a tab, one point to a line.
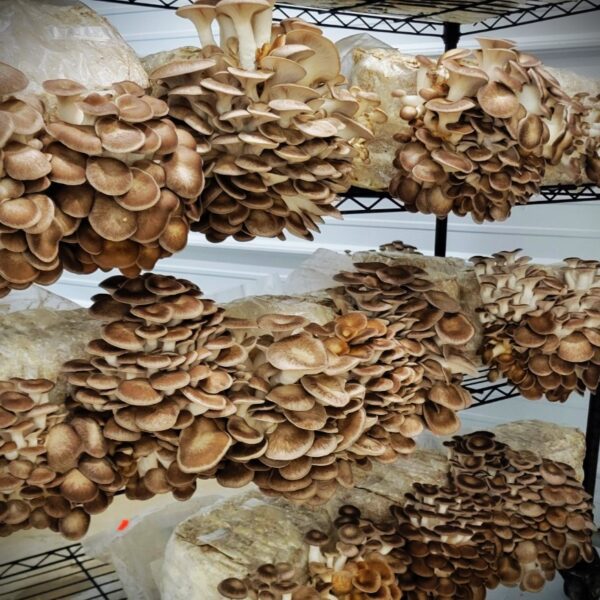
359	201
59	574
422	17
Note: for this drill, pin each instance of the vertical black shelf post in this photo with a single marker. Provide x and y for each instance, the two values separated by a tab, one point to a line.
592	443
451	36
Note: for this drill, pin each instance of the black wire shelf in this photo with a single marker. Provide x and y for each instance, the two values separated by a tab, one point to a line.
484	391
358	201
423	17
59	574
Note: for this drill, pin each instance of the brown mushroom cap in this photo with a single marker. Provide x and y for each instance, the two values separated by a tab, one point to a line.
202	445
297	352
12	80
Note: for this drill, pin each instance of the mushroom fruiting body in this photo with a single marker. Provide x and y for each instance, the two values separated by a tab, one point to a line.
124	184
541	325
502	517
269	124
30	227
32	478
156	379
480	144
426	327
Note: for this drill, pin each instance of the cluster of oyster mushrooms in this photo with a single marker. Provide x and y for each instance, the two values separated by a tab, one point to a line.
126	177
115	178
282	402
29	228
541	324
431	329
90	180
503	517
270	117
592	143
484	126
43	461
159	380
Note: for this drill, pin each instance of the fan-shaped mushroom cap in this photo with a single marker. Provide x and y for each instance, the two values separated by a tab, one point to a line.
455	329
202	445
575	348
12	80
233	588
24	163
74	525
497	100
440	420
288	442
76	137
299	352
63	447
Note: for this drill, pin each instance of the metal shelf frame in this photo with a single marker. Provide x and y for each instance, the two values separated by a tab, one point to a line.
59	574
358	201
426	17
63	572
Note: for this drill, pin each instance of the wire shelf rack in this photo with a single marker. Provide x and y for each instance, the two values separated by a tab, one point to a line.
359	201
419	17
58	574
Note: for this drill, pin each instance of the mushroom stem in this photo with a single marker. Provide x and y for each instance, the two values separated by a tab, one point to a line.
262	26
18	438
340	562
226	31
247	44
39	421
315	554
204	32
69	112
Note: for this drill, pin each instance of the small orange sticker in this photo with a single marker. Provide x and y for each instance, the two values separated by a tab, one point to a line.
123	525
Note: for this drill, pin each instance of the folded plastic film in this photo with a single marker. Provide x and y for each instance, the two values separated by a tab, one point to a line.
52	39
39	331
347	45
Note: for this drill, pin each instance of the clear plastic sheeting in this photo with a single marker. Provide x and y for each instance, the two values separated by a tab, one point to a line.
137	552
33	298
51	39
39	331
347	45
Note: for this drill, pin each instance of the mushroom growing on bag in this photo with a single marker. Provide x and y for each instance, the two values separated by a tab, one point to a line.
159	376
123	178
268	112
34	490
430	330
503	516
484	126
30	227
542	325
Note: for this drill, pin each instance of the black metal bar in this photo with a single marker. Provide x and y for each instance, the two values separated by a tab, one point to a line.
451	37
441	235
76	557
592	443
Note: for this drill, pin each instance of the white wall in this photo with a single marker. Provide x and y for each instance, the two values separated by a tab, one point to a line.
544	232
